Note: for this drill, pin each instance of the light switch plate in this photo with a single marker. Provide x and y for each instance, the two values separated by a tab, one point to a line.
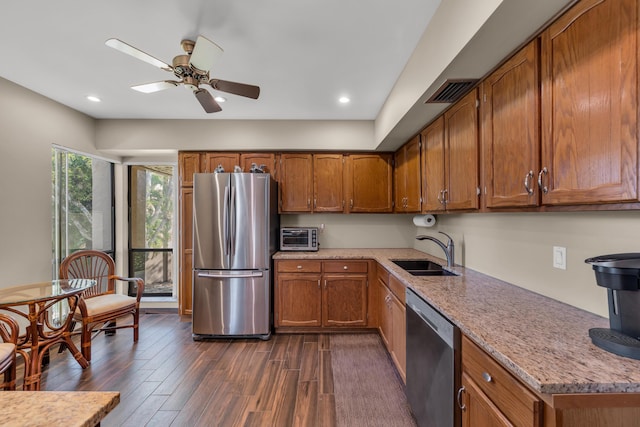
560	257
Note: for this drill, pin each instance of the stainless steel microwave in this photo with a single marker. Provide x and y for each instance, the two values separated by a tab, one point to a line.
299	239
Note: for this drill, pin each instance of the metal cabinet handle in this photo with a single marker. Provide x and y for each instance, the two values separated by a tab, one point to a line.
346	267
445	194
527	182
487	377
308	203
461	405
351	204
299	267
544	188
318	283
315	203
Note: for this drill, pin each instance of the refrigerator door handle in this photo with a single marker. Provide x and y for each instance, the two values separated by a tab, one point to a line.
226	275
232	245
225	220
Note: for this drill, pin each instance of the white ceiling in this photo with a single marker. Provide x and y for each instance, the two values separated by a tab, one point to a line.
303	54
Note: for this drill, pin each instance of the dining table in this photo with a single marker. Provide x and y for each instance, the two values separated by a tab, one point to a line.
44	312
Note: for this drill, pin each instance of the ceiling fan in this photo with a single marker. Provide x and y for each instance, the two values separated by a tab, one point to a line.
191	70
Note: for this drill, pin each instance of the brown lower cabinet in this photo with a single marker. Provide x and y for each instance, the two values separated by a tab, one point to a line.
392	318
491	396
320	294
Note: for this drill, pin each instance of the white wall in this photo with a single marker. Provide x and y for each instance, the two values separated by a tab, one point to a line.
357	230
30	124
517	248
157	136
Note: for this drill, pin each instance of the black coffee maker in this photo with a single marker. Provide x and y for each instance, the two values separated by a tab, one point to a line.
620	274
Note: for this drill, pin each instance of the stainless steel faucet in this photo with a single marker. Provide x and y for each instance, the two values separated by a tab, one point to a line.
448	249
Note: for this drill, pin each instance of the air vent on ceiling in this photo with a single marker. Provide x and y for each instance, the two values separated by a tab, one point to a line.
452	90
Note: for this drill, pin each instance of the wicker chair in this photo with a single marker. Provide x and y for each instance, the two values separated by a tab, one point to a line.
100	305
9	336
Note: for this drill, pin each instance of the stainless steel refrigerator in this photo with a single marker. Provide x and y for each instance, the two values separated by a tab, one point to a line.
235	228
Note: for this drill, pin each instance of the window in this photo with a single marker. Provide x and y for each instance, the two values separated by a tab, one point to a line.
82	204
151	207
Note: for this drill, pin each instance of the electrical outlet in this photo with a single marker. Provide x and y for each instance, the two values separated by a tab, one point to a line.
560	257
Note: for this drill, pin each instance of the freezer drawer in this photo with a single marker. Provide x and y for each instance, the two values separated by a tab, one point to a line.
231	304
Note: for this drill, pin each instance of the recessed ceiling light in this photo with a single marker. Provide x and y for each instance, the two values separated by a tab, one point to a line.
93	98
220	98
344	100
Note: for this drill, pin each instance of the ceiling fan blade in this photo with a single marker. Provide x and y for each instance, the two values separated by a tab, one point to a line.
206	100
241	89
204	55
137	53
155	86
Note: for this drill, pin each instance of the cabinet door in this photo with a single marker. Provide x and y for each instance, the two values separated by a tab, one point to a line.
186	251
510	138
296	182
590	104
384	314
227	160
328	183
399	334
433	166
298	300
461	153
268	160
344	300
370	183
478	410
188	164
408	186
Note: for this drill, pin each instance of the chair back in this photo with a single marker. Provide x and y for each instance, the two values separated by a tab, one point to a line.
8	329
90	264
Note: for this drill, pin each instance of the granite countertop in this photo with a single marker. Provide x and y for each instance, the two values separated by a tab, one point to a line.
56	408
542	341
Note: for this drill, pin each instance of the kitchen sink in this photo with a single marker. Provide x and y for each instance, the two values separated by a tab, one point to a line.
422	267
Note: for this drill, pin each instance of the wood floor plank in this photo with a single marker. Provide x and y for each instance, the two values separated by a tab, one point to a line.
294	352
326	373
280	345
326	410
129	403
145	412
310	361
286	398
306	408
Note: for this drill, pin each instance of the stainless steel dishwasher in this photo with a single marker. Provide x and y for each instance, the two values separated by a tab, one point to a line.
433	364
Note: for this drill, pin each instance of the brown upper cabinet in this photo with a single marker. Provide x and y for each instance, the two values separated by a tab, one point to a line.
451	158
408	188
509	108
461	153
589	104
433	166
188	164
266	161
370	183
328	183
296	182
228	161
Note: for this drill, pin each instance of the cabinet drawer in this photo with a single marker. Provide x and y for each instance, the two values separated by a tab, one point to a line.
382	274
397	288
298	266
345	266
513	399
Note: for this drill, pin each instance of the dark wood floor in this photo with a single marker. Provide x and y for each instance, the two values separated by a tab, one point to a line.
168	379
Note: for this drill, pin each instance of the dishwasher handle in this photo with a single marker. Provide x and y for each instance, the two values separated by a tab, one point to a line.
425	318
